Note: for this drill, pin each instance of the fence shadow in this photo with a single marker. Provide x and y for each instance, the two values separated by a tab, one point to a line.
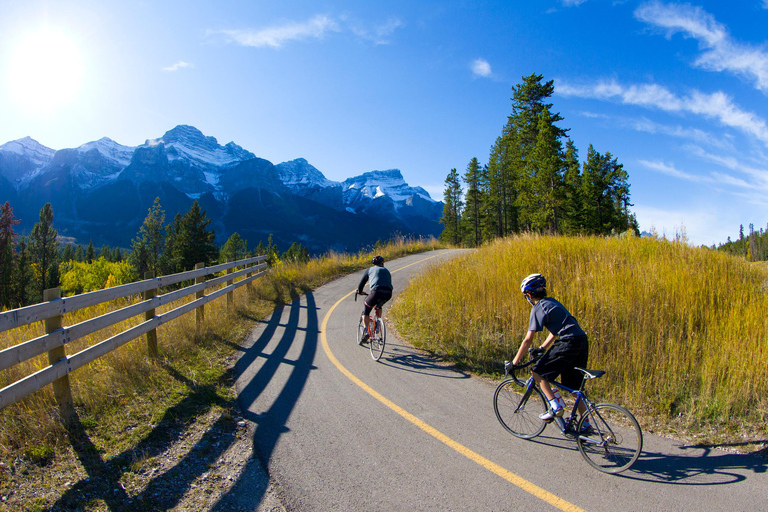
405	358
165	490
271	424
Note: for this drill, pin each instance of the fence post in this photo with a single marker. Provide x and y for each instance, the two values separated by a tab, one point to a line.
250	283
200	311
61	388
230	295
149	315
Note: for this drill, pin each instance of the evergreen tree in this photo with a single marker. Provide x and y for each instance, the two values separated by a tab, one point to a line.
22	279
150	243
473	209
90	252
541	186
170	261
260	250
271	251
79	254
7	252
44	249
235	248
572	204
195	244
452	208
67	253
296	253
105	252
605	194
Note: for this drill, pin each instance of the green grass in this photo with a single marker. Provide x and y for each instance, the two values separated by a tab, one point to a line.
682	331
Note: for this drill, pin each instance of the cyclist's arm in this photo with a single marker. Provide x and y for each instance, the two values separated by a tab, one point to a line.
362	282
524	347
548	341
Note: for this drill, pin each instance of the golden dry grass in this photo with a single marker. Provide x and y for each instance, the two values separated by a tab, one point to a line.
682	331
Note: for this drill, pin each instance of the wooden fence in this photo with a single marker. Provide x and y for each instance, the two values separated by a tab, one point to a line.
57	335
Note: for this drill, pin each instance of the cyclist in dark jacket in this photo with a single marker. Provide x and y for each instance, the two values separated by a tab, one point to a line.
380	282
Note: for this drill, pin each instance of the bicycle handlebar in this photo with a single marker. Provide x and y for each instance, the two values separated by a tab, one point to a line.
359	293
534	353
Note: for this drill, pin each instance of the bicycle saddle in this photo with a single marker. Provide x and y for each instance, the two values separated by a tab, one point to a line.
591	374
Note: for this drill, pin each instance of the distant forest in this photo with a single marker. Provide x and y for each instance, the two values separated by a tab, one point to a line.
534	182
31	264
753	246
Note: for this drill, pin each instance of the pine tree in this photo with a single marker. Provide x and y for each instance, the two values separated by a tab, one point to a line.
150	243
572	204
90	252
605	195
196	243
44	248
7	251
67	253
452	209
22	279
235	248
170	261
79	254
473	209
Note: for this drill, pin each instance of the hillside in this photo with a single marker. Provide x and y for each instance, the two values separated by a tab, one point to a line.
680	330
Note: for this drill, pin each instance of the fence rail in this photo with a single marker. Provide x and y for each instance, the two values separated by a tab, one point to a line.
58	336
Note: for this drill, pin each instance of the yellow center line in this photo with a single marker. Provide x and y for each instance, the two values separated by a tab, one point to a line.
504	473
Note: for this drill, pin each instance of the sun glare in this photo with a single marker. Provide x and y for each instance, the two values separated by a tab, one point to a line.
45	70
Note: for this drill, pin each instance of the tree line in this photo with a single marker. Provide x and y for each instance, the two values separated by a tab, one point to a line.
753	246
33	263
534	182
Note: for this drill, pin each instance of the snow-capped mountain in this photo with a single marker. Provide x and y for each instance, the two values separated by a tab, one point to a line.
101	190
23	159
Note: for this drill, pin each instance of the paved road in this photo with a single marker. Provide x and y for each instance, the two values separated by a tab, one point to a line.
338	431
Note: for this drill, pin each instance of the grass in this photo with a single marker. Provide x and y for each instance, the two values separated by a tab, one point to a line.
681	331
123	398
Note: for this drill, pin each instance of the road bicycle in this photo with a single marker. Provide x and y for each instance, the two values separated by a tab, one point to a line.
608	435
377	332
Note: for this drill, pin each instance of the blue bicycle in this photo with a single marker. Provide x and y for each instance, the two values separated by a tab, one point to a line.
608	435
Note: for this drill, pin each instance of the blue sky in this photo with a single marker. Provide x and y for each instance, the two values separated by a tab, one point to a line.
676	91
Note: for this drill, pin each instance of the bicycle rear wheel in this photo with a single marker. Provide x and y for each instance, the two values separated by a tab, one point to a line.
378	341
360	331
518	407
615	440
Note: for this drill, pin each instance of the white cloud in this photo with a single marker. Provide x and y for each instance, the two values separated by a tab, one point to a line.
277	36
481	67
177	66
720	52
379	34
700	226
759	175
573	3
700	136
717	105
670	170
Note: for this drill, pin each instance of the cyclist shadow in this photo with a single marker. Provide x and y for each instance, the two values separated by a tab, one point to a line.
700	465
409	359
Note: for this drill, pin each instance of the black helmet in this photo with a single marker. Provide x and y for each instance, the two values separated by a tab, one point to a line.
378	261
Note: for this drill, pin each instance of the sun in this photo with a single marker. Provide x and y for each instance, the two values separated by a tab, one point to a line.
45	70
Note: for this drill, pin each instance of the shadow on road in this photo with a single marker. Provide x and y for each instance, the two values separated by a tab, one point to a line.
405	358
270	425
694	465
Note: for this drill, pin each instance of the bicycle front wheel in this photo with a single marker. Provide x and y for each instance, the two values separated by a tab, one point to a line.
360	331
376	345
518	407
615	440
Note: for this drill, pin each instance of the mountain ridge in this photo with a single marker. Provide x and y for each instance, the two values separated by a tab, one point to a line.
185	165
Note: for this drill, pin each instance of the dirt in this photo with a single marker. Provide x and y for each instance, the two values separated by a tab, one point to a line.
209	466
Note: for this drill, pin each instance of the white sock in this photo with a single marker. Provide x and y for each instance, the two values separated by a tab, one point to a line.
554	404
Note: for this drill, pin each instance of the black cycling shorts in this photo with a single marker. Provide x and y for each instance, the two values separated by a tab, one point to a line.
562	358
376	299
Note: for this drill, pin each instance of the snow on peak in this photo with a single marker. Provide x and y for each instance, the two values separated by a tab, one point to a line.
389	183
110	149
30	148
299	172
189	143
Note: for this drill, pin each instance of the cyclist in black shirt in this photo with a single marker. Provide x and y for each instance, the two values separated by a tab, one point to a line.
570	347
380	283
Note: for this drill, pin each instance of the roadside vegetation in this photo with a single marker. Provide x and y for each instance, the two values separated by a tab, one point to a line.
123	399
681	331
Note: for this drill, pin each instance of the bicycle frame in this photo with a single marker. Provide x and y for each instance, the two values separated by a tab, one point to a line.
563	424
